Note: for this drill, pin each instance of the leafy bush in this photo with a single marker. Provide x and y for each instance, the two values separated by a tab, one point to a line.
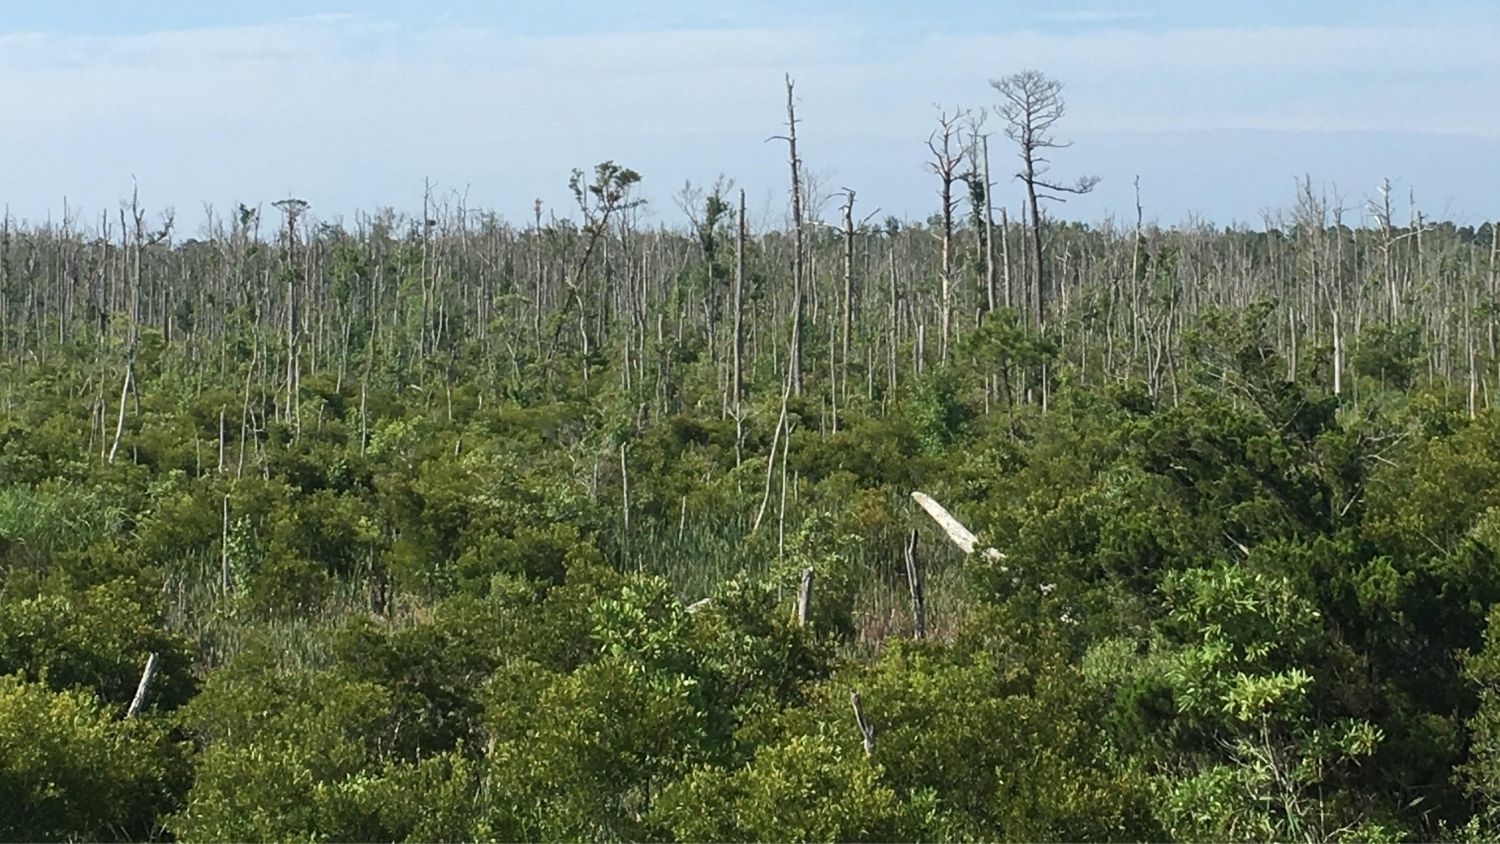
70	769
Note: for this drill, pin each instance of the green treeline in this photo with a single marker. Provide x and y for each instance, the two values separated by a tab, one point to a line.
418	516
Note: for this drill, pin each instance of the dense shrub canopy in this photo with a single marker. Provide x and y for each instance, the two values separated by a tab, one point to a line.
420	520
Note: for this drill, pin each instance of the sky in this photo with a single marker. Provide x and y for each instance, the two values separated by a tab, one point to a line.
1218	108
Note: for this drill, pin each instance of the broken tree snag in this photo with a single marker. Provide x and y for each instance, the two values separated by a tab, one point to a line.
960	535
225	583
804	597
124	393
866	732
698	605
140	691
914	580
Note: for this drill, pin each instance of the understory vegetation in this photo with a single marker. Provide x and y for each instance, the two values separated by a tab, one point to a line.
419	516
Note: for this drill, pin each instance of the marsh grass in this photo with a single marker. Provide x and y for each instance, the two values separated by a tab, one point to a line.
221	626
696	556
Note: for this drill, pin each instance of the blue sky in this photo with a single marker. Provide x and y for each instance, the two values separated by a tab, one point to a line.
1218	107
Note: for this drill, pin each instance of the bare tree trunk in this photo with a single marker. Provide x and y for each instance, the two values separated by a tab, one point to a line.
893	317
798	293
1010	296
804	597
914	582
945	162
866	731
959	535
120	421
765	498
1038	266
1338	353
1494	285
625	502
291	347
848	315
1135	276
786	447
139	701
737	380
989	227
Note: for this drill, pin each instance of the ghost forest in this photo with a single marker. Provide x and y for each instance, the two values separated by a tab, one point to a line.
990	526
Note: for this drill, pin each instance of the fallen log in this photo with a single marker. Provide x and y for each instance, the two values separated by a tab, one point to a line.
960	535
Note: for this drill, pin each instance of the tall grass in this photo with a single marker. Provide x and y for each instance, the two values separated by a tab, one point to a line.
37	523
696	555
220	626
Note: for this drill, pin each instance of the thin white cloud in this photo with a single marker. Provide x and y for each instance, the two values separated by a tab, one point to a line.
1094	16
1430	79
359	106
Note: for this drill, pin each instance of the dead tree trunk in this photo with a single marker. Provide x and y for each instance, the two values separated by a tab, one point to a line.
953	528
798	260
120	420
945	162
804	597
866	731
139	701
914	581
739	306
989	225
848	315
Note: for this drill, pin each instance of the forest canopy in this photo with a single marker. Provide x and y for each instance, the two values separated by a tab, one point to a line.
446	528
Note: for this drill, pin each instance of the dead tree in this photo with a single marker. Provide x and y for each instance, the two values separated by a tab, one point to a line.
948	153
959	535
914	582
600	202
798	247
804	597
292	209
737	380
980	190
866	730
1031	104
124	394
848	303
139	701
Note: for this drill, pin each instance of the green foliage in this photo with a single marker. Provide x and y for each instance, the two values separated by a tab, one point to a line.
51	524
808	788
95	641
1388	354
1242	680
1480	773
1006	743
937	411
283	753
70	769
510	561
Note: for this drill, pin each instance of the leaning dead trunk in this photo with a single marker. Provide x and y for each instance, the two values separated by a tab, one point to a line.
139	700
120	420
955	530
914	581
